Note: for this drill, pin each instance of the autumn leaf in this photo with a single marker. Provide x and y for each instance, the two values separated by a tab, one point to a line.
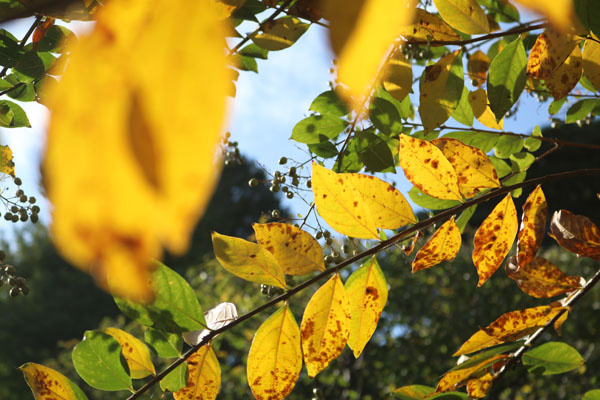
443	246
275	357
464	15
540	278
226	7
280	33
479	387
204	376
135	352
367	293
560	12
458	377
296	251
48	384
325	325
397	76
550	50
7	166
477	67
533	225
576	233
429	27
566	77
426	167
158	192
494	238
481	109
591	61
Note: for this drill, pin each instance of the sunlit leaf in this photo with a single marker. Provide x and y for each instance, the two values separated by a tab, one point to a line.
165	344
216	318
540	278
458	377
204	376
464	15
175	379
367	293
413	392
443	246
565	77
247	260
507	145
318	128
384	115
591	62
464	112
325	325
479	387
397	75
135	353
374	151
560	12
551	49
12	115
328	103
592	395
7	166
226	7
581	109
280	33
533	225
431	203
477	67
275	357
484	141
49	384
427	26
494	238
576	233
481	110
552	358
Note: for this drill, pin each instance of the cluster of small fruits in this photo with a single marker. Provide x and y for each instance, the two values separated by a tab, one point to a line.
21	207
8	276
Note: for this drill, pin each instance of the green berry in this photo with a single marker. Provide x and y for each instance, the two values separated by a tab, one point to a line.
328	259
23	199
283	160
14	292
24	217
18	181
34	218
35	209
285	189
15	218
319	235
14	209
289	195
10	270
8	216
275	214
31	200
274	188
253	182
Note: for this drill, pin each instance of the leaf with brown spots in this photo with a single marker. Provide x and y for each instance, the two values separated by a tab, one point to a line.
7	165
325	325
204	376
135	352
477	67
565	77
494	238
540	278
591	61
464	15
397	76
275	357
280	33
576	233
480	340
409	245
426	167
480	105
479	387
533	225
49	384
430	27
473	168
443	246
458	377
367	292
249	261
296	251
550	50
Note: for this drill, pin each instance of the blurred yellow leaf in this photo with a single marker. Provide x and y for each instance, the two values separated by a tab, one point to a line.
7	166
591	61
275	358
367	293
479	387
427	26
494	238
550	50
540	278
481	109
566	77
473	168
559	12
135	352
477	67
458	377
426	167
464	15
226	7
49	384
479	340
443	246
296	251
576	233
131	186
249	261
280	33
325	325
533	226
204	376
397	76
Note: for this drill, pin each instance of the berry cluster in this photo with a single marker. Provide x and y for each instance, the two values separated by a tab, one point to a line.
286	182
20	207
8	275
231	151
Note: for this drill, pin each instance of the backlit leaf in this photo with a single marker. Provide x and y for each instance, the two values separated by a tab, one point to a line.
477	67
431	203
441	89
580	110
484	141
275	357
397	75
560	12
226	7
565	77
482	111
367	293
426	167
247	260
325	325
464	15
552	358
280	33
165	344
384	116
443	246
540	278
7	166
479	387
464	112
533	225
318	128
458	377
204	376
175	379
216	318
328	103
159	193
494	238
427	26
135	353
576	233
591	62
296	251
12	115
374	151
413	392
551	49
592	395
48	384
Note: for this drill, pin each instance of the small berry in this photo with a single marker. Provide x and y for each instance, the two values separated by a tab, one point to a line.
309	183
18	181
24	217
277	174
295	182
327	234
253	182
282	179
319	235
283	160
292	171
14	209
275	214
10	270
346	249
285	189
8	216
35	209
34	218
24	290
23	199
329	241
15	218
12	281
264	289
274	188
328	259
32	200
296	226
14	292
19	193
289	195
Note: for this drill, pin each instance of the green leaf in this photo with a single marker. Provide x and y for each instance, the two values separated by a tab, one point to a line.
507	145
175	307
484	141
592	395
22	91
328	103
165	344
556	105
249	10
97	360
19	117
585	82
54	39
254	51
531	143
464	112
374	152
502	168
486	354
426	135
513	180
464	218
431	203
10	50
552	358
247	64
404	107
324	149
506	78
33	65
589	14
384	116
350	162
175	379
311	130
580	110
522	161
280	33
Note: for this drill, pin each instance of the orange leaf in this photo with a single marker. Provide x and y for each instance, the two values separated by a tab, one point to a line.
443	246
549	52
576	233
458	377
479	387
494	239
533	224
565	77
540	278
477	67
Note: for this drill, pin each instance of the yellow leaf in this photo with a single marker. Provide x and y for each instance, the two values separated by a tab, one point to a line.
204	376
249	261
494	238
397	76
280	33
131	187
49	384
325	326
367	293
550	50
559	12
458	377
479	387
441	88
533	226
566	77
443	246
540	278
296	251
480	340
576	233
135	352
482	111
226	7
426	167
464	15
477	67
473	167
361	33
591	61
357	204
428	26
7	166
275	357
